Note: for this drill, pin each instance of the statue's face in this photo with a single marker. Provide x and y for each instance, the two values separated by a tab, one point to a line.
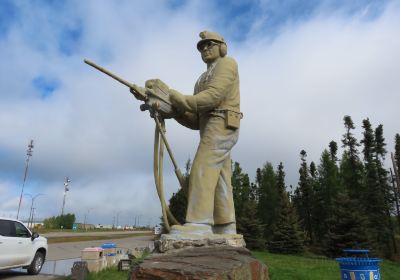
209	51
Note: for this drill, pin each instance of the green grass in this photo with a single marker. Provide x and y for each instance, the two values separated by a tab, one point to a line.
283	267
109	273
290	267
105	274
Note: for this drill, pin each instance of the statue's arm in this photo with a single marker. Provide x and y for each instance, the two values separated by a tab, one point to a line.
225	73
188	119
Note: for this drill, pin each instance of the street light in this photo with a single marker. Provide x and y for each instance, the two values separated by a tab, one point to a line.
28	155
66	189
30	221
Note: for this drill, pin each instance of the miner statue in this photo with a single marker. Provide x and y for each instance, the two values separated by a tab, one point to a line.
214	110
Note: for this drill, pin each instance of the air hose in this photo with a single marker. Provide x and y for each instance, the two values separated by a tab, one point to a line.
159	144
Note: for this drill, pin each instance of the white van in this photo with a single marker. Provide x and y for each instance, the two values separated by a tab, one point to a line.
19	247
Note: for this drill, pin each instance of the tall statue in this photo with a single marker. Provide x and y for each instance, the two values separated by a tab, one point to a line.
214	109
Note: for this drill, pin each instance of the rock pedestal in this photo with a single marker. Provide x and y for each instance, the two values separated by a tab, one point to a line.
224	262
169	242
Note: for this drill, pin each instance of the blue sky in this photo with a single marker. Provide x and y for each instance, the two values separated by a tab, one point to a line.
304	62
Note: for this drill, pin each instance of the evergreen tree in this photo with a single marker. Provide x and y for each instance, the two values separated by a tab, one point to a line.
376	191
178	201
325	193
373	198
346	228
267	198
286	237
397	151
333	150
280	180
384	185
247	222
304	198
250	226
351	166
353	229
396	188
241	188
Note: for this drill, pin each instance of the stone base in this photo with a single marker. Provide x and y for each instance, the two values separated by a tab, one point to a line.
203	263
169	242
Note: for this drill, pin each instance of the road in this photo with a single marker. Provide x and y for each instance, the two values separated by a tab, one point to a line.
89	233
70	250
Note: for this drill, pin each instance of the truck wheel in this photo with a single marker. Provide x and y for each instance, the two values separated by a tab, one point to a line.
36	264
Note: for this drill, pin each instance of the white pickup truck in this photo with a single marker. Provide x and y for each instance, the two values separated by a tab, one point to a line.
19	247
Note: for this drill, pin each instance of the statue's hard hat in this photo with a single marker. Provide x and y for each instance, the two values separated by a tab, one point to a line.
210	36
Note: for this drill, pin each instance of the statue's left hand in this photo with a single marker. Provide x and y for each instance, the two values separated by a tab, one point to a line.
150	84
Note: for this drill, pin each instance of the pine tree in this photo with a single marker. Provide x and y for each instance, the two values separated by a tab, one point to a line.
326	191
250	226
372	197
351	166
351	230
304	198
385	188
396	187
247	221
286	237
346	228
241	188
397	151
178	201
267	198
333	150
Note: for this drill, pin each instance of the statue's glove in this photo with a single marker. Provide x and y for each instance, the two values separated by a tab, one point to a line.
138	92
156	82
183	102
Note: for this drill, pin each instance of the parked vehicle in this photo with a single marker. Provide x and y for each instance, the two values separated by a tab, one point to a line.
19	247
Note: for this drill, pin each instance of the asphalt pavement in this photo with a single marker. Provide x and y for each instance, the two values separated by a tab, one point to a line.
70	250
67	250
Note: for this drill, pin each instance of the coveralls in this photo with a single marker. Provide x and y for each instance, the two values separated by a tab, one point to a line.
210	198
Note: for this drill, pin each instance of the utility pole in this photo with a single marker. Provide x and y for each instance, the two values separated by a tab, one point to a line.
33	213
85	220
118	218
28	155
30	220
66	183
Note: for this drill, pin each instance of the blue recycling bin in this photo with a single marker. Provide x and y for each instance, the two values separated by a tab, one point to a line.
109	248
358	266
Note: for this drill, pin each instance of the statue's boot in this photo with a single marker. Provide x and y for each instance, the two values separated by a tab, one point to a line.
192	228
225	228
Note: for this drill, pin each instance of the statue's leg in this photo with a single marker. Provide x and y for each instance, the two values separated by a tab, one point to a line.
224	210
202	183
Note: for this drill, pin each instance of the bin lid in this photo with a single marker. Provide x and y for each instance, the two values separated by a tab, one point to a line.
93	249
356	251
108	245
358	261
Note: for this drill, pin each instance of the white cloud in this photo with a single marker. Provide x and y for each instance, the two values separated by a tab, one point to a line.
295	91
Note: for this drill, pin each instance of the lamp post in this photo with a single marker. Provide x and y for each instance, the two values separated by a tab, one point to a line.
30	221
28	155
66	189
